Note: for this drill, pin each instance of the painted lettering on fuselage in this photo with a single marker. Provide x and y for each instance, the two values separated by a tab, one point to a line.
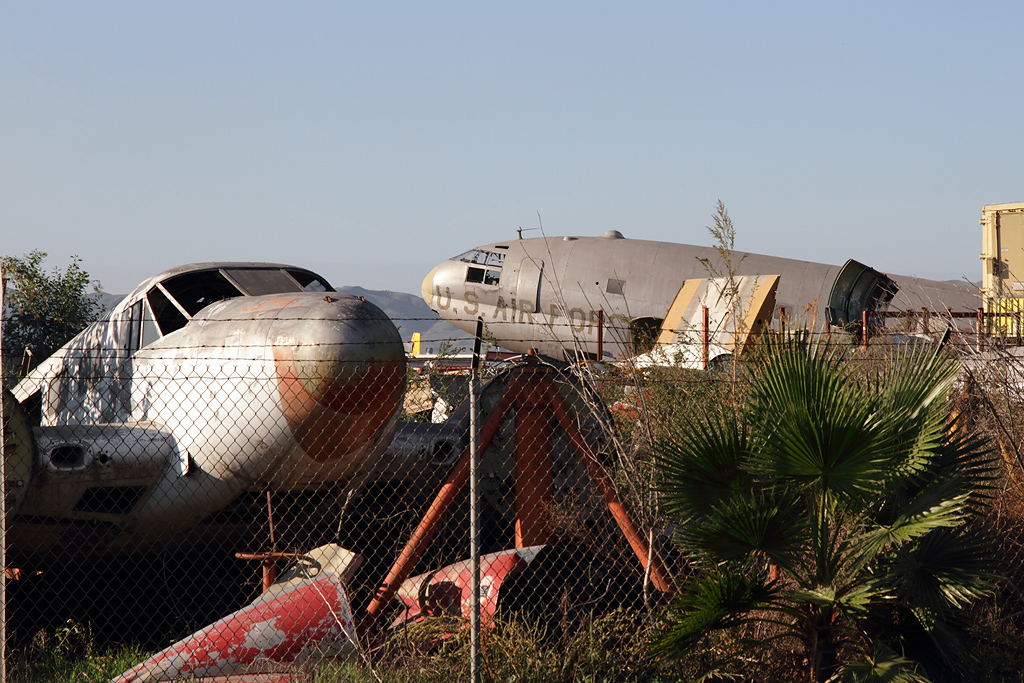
472	302
559	323
447	297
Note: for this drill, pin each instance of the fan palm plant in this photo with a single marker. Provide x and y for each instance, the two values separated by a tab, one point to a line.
836	507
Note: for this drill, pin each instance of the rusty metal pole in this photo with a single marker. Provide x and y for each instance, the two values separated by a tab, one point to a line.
980	328
606	486
474	514
269	565
704	338
600	335
864	330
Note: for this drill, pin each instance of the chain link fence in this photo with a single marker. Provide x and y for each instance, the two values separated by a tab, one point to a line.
287	496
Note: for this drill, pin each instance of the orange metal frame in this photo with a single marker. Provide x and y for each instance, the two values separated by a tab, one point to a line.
535	399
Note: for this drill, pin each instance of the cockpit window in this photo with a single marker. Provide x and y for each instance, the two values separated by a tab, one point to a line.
168	317
259	281
473	256
195	291
311	282
491	259
480	275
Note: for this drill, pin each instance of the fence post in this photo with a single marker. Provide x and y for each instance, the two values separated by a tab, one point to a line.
704	338
864	329
474	515
979	326
3	498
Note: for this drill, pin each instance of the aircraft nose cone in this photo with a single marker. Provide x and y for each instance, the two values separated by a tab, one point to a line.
427	288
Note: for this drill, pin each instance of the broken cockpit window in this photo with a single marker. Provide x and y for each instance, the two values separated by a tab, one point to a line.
195	291
310	282
482	275
492	260
472	256
168	317
260	281
142	327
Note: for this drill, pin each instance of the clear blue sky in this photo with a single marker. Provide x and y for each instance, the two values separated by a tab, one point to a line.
369	141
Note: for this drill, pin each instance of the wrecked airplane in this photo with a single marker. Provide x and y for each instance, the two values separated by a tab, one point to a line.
608	297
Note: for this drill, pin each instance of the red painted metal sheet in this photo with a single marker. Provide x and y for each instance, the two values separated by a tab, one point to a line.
280	628
249	678
447	591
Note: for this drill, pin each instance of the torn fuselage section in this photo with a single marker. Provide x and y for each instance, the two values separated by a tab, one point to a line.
858	289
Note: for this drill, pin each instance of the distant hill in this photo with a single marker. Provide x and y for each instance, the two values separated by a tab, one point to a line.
108	301
408	312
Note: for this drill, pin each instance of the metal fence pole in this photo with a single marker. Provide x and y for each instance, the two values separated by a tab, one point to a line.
474	514
3	498
979	325
704	338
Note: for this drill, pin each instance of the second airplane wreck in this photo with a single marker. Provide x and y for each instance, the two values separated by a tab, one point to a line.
569	296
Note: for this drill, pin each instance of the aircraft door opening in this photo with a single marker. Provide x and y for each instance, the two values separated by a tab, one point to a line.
528	286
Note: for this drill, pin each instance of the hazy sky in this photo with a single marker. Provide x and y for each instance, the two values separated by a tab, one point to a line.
371	140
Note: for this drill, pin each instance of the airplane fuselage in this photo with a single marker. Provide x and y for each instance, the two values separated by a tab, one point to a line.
550	293
193	390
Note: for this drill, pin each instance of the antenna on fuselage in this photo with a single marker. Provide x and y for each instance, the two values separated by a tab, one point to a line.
520	231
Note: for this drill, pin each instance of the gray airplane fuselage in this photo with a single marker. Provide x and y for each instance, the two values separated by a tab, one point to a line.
550	293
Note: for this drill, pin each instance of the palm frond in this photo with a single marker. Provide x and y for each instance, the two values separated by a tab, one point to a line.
945	570
815	425
701	465
883	666
768	524
941	505
718	600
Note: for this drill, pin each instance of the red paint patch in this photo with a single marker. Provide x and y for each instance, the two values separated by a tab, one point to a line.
313	614
271	305
343	416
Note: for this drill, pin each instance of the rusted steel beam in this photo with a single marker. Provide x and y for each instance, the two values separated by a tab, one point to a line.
534	481
269	561
604	484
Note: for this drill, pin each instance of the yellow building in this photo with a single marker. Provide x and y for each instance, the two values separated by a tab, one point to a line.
1002	280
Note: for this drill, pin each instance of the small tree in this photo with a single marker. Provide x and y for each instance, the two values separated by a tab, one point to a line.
43	312
833	512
